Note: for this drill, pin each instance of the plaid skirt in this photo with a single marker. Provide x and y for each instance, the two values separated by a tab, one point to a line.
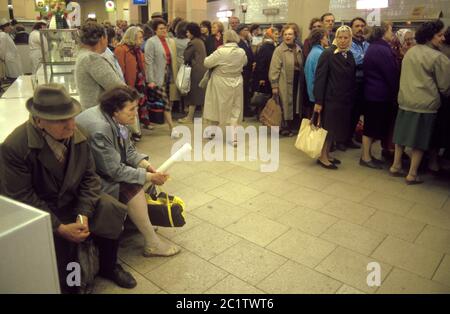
127	191
161	93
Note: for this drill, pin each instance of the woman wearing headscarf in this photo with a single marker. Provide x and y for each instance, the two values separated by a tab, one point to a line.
334	92
424	78
403	42
287	78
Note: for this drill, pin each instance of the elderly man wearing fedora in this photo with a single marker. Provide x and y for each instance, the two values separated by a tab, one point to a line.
47	163
8	51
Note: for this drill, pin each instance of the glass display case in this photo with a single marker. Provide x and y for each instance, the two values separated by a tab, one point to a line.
59	50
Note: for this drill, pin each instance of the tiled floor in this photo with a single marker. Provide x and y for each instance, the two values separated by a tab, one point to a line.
302	229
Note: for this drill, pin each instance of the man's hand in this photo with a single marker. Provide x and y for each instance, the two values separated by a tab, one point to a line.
75	232
275	91
151	85
157	178
85	221
318	108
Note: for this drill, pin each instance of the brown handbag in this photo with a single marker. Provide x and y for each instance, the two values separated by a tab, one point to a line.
272	114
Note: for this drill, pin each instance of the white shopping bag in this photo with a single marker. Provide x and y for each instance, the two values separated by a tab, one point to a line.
183	81
310	139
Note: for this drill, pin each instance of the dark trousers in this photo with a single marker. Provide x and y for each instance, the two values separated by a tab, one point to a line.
246	75
357	109
67	252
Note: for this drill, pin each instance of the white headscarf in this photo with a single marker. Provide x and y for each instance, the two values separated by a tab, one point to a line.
401	33
342	29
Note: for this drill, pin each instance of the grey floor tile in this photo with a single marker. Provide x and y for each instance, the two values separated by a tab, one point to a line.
401	281
220	213
347	191
351	268
268	206
257	229
398	226
307	220
442	275
435	238
273	186
348	290
185	274
424	196
295	278
311	180
354	237
392	204
248	262
234	193
434	217
206	240
349	211
194	198
204	181
168	232
408	256
233	285
302	248
243	175
308	198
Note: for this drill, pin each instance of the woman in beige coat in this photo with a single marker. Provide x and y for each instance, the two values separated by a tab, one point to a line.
287	78
224	94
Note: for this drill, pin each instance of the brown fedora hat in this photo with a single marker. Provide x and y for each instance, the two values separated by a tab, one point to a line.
53	102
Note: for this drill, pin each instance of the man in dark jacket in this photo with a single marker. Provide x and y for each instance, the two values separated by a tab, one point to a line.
47	163
243	32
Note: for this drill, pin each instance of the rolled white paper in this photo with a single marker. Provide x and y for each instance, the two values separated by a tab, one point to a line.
178	156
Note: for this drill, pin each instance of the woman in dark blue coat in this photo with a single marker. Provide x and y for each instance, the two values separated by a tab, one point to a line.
381	80
334	91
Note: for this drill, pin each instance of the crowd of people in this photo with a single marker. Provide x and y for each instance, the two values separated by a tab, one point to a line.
90	177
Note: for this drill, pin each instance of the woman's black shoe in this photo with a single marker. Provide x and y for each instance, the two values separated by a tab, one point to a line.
369	164
329	167
335	161
122	278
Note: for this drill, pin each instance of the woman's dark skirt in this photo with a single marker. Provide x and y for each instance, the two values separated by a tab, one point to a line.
377	117
127	191
336	120
414	129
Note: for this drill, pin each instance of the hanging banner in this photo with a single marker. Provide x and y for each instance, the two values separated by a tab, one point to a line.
110	6
74	15
374	17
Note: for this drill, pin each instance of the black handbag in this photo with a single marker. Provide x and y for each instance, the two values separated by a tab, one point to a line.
155	104
165	210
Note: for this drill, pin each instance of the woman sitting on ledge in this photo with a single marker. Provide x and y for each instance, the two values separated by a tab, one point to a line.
122	169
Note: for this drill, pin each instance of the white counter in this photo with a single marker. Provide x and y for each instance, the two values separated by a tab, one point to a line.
28	263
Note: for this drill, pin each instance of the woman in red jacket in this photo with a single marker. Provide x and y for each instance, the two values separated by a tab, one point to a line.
131	60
